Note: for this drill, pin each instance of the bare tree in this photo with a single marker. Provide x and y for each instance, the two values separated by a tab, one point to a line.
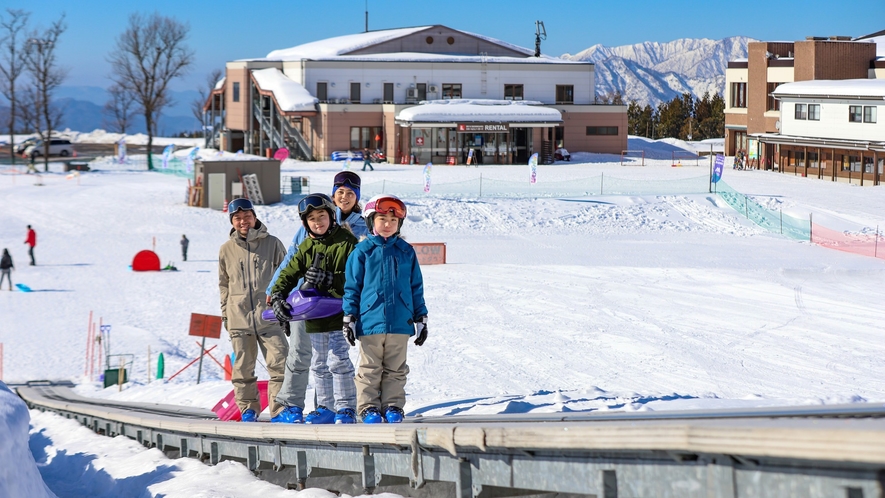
148	55
46	77
119	109
12	64
198	104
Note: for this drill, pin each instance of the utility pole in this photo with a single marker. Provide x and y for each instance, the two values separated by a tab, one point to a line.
367	16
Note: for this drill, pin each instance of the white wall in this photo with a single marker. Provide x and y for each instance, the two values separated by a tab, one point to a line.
833	120
539	80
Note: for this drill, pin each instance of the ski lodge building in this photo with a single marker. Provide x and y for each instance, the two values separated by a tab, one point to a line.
810	108
422	94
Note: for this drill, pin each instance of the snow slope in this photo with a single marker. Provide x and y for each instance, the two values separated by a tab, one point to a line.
594	303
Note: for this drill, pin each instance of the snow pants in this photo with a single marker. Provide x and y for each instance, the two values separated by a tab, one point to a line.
31	254
381	378
332	370
7	274
297	367
274	348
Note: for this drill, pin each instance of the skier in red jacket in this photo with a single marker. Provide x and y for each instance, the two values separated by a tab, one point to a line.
31	241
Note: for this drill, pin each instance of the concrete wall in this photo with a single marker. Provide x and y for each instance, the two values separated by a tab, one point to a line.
268	172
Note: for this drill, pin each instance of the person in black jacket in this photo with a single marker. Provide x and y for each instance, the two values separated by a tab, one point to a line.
6	268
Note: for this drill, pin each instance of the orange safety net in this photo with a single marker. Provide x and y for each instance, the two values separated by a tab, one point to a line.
866	244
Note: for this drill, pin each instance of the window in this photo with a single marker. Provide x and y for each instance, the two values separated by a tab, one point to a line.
322	91
869	114
565	94
513	92
388	92
236	91
739	95
814	112
354	92
365	137
855	113
813	160
451	90
773	103
602	130
422	91
801	111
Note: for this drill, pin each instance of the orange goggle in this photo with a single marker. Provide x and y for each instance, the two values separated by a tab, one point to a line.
388	205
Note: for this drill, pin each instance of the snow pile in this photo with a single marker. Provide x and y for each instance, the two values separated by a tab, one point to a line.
480	110
18	471
290	96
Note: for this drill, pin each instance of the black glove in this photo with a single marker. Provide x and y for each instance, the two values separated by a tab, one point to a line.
286	329
321	279
349	329
281	308
420	330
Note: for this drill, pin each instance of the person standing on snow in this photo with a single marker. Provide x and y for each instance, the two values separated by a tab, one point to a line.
320	261
383	306
346	196
367	160
245	264
31	241
6	268
184	244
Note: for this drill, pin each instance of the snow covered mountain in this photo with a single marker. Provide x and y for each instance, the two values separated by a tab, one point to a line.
652	72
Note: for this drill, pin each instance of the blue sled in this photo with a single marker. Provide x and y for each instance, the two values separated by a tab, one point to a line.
23	288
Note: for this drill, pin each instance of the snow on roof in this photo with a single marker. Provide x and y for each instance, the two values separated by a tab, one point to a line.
333	47
880	45
834	88
480	110
429	57
290	95
220	84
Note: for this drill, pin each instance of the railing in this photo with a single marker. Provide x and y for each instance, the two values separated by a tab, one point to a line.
278	140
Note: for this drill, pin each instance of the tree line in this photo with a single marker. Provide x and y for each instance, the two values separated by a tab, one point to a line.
684	117
147	56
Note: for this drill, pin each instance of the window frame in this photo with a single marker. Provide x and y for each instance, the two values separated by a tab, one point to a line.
565	94
355	91
800	112
814	116
855	114
738	95
323	95
450	91
871	116
516	91
235	92
387	91
603	131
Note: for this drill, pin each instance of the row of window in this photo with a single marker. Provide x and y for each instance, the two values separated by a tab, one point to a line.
843	162
856	113
565	94
602	130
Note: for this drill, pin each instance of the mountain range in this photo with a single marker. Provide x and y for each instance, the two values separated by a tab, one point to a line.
652	72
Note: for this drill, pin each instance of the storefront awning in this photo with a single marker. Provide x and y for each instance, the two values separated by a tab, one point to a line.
448	113
775	138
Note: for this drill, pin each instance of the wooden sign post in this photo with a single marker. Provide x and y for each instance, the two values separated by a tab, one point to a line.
204	326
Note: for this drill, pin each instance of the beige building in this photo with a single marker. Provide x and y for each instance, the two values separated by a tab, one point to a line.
423	94
754	119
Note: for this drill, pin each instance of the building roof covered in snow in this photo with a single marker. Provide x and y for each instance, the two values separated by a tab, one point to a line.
857	88
479	111
291	96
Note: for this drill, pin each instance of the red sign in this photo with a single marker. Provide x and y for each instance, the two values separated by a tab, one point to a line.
205	326
419	140
430	253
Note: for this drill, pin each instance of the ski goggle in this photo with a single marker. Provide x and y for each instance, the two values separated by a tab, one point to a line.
312	202
241	204
388	205
351	181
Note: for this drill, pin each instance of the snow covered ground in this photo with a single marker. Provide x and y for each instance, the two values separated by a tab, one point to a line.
566	304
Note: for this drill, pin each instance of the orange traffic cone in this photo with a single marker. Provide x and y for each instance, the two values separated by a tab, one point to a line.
224	210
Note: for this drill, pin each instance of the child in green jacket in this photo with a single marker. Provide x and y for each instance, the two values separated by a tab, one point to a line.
330	361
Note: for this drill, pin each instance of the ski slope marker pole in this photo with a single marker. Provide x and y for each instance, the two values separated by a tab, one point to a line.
88	345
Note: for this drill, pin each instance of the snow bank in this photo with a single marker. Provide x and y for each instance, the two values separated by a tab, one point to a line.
290	95
18	471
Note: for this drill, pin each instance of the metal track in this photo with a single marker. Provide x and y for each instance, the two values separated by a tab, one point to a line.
803	452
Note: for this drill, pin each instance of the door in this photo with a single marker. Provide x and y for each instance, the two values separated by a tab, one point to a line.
217	190
520	145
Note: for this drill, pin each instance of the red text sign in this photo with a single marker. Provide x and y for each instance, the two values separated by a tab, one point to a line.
430	253
205	326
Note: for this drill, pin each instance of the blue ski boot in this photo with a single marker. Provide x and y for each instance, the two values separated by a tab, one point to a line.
371	415
393	415
321	415
289	415
345	416
249	416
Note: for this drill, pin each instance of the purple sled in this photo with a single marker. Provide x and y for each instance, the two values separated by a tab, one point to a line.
308	304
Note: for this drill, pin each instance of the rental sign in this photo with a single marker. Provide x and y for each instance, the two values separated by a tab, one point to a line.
483	128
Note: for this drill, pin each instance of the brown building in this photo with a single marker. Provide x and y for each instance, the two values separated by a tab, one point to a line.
351	93
753	112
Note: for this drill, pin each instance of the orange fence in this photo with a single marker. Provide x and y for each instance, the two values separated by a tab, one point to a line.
866	244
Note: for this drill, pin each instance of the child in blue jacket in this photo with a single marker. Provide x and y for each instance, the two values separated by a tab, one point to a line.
383	307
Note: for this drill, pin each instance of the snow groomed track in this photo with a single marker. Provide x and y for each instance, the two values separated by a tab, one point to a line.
799	451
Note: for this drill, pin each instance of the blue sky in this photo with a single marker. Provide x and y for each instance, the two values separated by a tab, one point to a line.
223	30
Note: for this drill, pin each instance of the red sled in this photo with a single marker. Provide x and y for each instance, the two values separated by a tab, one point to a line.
227	408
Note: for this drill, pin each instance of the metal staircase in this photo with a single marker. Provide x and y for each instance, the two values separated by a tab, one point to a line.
281	134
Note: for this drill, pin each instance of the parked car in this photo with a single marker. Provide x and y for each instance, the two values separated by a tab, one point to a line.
57	147
20	148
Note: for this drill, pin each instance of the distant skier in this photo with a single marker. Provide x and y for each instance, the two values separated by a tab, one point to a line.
245	263
184	243
330	362
6	268
367	160
346	196
383	306
31	241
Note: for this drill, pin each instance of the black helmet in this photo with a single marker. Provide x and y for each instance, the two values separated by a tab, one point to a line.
313	202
